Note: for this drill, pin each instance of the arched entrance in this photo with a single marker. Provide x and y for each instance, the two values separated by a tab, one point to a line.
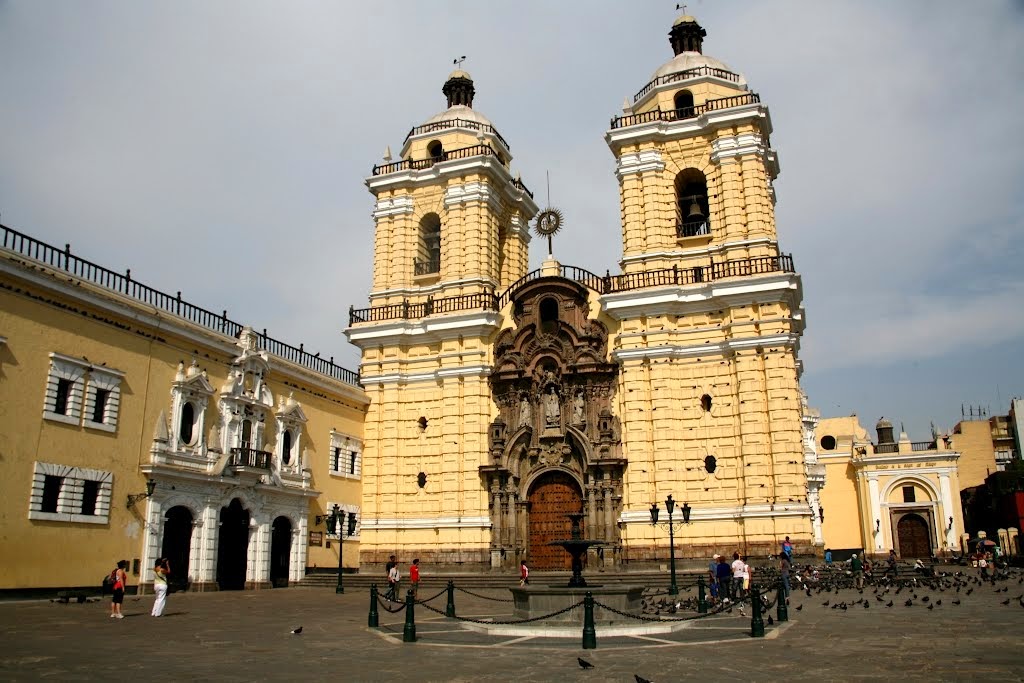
912	533
552	497
177	545
280	552
233	546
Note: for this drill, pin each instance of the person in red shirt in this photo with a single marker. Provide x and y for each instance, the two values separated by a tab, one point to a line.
414	578
524	573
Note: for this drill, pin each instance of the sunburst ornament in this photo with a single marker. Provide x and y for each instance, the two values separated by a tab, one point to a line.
549	222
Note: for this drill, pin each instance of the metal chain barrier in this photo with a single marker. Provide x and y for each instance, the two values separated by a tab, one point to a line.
435	597
484	597
510	621
641	617
380	601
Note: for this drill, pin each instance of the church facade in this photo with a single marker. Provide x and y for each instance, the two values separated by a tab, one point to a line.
502	400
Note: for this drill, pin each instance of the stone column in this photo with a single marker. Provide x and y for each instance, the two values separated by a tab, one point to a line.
948	530
152	535
195	550
206	574
876	513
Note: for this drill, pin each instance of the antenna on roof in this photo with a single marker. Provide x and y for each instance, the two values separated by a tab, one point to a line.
458	61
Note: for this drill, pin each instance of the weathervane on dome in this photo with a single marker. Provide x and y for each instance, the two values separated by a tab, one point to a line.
458	61
549	221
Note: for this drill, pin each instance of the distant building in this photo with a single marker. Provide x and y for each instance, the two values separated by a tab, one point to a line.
888	494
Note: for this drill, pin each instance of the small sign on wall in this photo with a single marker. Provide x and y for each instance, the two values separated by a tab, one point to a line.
316	538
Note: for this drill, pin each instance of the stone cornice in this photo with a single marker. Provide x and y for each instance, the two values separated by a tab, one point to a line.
426	330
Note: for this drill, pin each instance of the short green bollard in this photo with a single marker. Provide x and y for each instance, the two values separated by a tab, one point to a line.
589	632
702	602
409	632
781	610
449	609
373	620
756	622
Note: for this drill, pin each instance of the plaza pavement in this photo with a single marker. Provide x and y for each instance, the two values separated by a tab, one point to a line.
245	636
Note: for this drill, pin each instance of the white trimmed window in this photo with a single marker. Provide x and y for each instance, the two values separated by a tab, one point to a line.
102	399
65	387
61	493
346	456
350	521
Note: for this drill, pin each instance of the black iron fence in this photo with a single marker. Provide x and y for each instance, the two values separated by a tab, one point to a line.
65	261
686	75
427	267
420	164
693	228
457	123
685	112
602	284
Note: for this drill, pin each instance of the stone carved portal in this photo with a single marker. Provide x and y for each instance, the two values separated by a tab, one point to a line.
555	430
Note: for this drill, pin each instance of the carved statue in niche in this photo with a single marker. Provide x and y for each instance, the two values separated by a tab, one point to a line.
524	411
579	406
551	408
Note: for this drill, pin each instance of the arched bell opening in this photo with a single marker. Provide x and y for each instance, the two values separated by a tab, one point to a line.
692	208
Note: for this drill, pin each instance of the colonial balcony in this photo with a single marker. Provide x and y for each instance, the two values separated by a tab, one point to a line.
686	75
693	229
606	284
685	112
250	458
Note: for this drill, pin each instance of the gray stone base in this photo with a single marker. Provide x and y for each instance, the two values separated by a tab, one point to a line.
536	601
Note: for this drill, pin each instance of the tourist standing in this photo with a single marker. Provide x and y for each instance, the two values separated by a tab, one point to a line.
414	578
828	556
858	571
724	574
120	578
713	576
784	567
394	581
739	572
161	570
524	573
787	549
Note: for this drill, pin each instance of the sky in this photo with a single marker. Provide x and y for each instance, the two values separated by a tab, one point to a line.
221	149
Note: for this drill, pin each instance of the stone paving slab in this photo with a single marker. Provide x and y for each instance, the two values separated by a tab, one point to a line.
246	636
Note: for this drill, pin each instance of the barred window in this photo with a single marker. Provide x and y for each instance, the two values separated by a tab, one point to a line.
61	493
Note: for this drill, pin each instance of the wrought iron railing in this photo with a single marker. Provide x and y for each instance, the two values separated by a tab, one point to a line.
65	261
922	446
887	448
602	284
693	228
410	311
420	164
519	183
457	123
686	75
426	267
685	112
251	457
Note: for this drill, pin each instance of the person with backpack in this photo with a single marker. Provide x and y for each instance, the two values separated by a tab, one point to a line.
524	573
119	579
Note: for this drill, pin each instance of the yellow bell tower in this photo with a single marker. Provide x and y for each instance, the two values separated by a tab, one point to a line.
708	313
452	226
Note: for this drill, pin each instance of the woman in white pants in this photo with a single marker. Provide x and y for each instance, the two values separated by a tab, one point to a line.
160	572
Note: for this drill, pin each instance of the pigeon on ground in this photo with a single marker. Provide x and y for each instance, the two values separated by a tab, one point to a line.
799	607
641	679
1006	601
825	604
296	631
956	602
889	604
584	664
931	607
938	603
770	620
908	603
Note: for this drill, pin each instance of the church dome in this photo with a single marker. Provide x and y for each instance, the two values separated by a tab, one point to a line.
687	40
691	60
460	111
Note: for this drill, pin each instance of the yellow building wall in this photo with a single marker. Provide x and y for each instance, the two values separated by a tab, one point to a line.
35	322
973	440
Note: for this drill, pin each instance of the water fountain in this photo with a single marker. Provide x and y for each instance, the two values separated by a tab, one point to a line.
533	601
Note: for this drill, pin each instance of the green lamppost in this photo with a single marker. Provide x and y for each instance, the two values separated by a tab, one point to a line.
333	521
670	506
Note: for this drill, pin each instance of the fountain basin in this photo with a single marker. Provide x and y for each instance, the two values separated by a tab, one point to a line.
536	601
